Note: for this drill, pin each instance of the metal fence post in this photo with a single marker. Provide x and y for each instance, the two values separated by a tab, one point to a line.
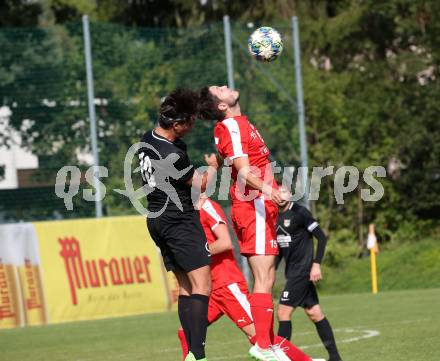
300	106
228	48
92	114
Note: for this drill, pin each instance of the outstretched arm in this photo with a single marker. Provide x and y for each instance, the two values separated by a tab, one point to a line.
242	166
223	242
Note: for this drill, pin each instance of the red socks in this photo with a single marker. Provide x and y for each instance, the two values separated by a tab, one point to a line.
183	343
271	334
292	352
262	313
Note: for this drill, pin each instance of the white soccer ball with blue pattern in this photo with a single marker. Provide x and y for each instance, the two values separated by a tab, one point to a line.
265	44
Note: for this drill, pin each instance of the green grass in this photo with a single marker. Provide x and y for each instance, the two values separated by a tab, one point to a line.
408	323
403	267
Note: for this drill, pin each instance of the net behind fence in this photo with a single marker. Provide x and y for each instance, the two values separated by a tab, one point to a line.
44	115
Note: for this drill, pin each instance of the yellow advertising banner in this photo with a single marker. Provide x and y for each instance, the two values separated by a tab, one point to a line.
78	270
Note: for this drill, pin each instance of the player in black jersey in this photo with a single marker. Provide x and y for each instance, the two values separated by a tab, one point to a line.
174	224
295	228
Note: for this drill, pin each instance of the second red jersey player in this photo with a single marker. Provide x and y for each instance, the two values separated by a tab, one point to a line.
229	294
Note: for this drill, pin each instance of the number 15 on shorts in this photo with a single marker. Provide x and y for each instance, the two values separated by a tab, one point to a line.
273	243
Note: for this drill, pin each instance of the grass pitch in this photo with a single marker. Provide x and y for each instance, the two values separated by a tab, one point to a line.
391	326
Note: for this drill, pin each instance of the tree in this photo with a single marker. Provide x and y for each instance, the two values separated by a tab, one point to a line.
19	13
370	81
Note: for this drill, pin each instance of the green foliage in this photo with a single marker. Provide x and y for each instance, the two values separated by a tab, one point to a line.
370	75
370	95
19	13
403	265
343	246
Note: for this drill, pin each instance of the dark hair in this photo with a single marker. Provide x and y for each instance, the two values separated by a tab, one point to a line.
179	106
208	106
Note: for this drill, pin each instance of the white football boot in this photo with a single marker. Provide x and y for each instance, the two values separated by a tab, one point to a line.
278	351
262	354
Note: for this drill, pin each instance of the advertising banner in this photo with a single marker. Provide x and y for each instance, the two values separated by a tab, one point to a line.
21	291
78	270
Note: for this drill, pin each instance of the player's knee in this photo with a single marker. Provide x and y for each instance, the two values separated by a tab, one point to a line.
284	313
201	287
185	290
265	282
316	318
270	280
200	281
314	313
283	316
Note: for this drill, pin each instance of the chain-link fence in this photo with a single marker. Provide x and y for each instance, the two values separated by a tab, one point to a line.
44	117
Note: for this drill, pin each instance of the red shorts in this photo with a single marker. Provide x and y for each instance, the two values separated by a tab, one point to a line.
255	225
232	301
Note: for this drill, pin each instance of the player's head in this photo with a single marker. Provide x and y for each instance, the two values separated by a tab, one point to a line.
178	111
286	194
216	101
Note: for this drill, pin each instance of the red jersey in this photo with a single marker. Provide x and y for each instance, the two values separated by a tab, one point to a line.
224	268
237	137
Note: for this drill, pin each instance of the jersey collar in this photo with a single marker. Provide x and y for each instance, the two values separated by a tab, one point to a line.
237	117
159	137
241	117
288	209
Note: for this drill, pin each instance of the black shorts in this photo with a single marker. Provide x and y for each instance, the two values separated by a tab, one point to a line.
181	240
299	291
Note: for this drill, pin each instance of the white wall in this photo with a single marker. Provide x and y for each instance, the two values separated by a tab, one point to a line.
15	157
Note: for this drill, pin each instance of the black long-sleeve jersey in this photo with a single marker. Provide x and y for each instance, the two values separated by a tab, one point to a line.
295	227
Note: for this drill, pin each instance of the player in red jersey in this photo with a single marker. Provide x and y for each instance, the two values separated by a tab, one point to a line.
229	294
254	197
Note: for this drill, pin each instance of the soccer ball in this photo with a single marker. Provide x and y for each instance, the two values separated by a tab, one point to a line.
265	44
